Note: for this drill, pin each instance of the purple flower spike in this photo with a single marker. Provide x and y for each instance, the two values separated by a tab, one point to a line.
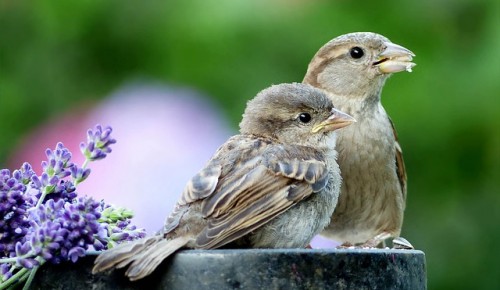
37	183
24	174
119	236
43	219
79	174
22	249
98	143
4	175
76	253
4	269
58	161
98	245
44	178
17	174
13	206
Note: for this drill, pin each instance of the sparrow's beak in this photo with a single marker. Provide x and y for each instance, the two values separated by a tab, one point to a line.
336	121
394	58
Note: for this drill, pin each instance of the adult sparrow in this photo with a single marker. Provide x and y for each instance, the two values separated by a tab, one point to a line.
275	185
352	70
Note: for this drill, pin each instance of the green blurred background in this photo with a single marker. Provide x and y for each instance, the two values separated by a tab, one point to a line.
55	55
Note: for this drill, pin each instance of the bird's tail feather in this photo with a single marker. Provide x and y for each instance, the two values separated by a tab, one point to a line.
148	260
144	255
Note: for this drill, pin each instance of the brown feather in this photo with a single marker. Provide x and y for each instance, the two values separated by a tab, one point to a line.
122	254
400	164
251	196
145	263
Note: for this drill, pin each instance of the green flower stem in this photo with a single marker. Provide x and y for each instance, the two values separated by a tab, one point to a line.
8	260
42	198
18	277
85	163
32	273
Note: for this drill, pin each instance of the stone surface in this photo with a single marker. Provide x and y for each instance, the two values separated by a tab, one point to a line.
255	269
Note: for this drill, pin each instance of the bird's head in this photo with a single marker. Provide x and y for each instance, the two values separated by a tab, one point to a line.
293	114
357	64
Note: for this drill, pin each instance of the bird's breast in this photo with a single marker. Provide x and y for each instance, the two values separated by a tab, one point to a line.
370	200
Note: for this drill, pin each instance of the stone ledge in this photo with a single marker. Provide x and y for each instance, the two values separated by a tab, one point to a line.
255	269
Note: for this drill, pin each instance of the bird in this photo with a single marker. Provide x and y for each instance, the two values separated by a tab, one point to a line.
352	69
273	185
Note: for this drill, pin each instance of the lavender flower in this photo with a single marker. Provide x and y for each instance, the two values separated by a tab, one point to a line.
53	179
117	221
42	219
25	173
45	183
58	162
98	143
13	207
79	174
61	230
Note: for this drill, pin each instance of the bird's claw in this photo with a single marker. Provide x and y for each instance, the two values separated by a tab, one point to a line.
401	243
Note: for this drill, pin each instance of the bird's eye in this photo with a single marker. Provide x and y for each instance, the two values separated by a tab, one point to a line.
305	117
356	52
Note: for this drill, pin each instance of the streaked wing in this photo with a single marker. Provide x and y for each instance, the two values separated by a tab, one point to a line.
266	180
202	184
400	164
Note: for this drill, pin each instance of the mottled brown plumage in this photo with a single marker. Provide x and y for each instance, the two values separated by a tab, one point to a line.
275	185
352	70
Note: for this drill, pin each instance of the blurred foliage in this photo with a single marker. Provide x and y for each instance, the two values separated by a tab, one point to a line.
55	56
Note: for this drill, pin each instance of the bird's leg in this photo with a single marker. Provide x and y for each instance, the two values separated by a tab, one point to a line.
379	242
375	241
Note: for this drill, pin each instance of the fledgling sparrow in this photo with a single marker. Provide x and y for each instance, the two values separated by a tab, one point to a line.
275	185
352	70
